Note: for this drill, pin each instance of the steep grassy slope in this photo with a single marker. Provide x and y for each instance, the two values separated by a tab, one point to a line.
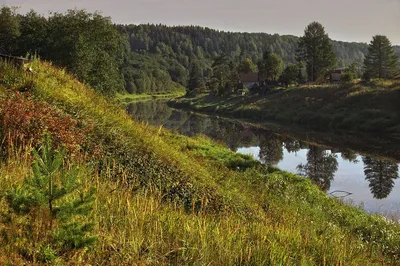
163	198
372	108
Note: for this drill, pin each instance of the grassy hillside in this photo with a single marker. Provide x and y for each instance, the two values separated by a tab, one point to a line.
370	107
162	198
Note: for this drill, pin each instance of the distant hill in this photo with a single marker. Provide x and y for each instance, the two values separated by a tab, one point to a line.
176	47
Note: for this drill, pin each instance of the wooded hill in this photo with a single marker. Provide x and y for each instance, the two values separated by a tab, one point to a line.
142	58
178	47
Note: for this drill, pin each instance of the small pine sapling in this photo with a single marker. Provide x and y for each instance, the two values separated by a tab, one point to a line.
54	206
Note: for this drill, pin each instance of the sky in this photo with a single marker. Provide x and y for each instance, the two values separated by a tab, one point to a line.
344	20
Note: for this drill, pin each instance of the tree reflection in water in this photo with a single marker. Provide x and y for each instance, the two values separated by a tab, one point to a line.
381	175
320	167
271	149
321	164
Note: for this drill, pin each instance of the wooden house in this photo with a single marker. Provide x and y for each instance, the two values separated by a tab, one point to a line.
336	75
250	80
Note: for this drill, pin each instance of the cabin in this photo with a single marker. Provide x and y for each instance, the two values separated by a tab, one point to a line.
18	62
335	75
250	80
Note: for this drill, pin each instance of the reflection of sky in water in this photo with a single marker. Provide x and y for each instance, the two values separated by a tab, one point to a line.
349	177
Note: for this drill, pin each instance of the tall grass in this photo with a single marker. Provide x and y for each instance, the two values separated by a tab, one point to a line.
163	198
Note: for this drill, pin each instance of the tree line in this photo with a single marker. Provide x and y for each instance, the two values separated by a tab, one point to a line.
157	58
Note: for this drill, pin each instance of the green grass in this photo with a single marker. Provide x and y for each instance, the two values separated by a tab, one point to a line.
129	98
363	107
163	198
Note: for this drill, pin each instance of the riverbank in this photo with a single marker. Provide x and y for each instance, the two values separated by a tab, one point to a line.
162	198
127	98
371	108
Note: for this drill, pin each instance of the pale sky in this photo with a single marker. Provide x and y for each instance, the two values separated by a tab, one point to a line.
346	20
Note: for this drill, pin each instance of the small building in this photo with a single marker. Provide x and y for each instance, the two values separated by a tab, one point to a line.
250	80
18	62
336	75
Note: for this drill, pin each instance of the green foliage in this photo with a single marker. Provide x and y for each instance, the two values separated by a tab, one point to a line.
225	76
291	74
315	49
34	34
9	30
380	62
360	107
247	66
195	76
86	44
142	59
54	221
351	73
271	66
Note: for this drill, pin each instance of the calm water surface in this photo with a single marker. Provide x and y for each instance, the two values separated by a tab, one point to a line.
362	172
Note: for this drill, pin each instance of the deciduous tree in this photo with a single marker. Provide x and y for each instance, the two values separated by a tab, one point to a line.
247	66
290	74
271	66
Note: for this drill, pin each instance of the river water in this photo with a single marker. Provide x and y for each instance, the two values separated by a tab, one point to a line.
360	170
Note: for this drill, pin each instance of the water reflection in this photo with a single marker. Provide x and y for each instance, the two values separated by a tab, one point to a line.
381	175
320	167
368	178
271	149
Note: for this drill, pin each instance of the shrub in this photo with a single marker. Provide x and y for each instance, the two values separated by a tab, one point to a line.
24	120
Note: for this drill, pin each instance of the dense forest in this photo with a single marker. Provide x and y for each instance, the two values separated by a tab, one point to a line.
142	58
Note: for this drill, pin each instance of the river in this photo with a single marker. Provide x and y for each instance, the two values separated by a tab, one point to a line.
360	170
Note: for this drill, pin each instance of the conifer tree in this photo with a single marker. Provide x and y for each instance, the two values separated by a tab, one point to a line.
315	49
53	204
381	175
194	77
380	62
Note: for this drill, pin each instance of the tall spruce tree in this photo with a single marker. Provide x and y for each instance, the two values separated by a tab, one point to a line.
381	175
321	167
380	62
315	49
194	77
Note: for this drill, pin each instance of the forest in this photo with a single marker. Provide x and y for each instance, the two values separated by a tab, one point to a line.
147	58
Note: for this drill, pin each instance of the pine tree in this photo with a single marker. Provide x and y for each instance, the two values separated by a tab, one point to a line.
271	149
381	175
194	77
53	205
315	49
320	167
380	62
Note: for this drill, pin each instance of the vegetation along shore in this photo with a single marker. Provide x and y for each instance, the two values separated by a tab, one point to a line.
369	107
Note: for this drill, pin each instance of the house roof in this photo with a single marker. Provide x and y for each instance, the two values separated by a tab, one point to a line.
251	85
249	77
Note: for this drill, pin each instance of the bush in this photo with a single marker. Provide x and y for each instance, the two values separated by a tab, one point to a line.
24	121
